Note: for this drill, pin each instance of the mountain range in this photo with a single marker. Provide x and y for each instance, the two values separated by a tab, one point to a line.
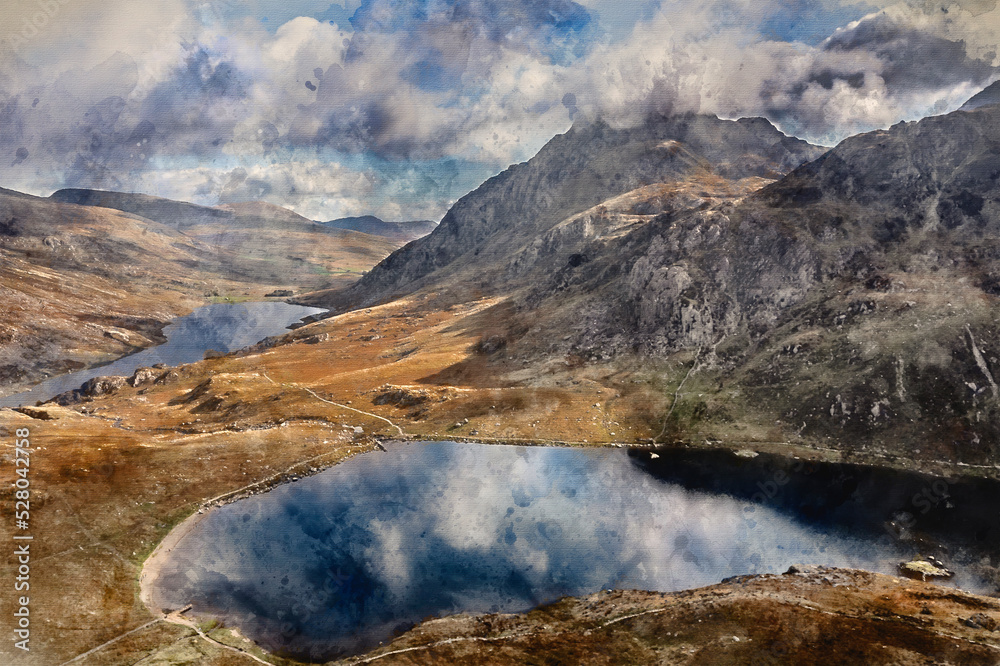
849	303
555	199
839	297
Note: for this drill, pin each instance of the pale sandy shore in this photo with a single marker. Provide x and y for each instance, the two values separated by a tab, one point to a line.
154	564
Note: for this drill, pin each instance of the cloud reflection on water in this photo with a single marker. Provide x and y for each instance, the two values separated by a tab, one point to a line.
340	560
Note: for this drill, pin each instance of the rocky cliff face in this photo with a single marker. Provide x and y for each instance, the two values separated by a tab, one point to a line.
573	173
918	195
936	175
989	95
852	302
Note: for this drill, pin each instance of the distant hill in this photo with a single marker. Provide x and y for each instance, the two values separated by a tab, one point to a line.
174	213
370	224
181	214
256	231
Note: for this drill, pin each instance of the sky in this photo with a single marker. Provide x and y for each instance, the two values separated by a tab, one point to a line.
398	107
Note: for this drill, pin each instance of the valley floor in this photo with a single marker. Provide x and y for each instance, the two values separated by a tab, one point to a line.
112	476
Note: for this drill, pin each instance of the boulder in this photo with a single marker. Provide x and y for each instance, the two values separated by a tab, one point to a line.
924	570
142	376
101	386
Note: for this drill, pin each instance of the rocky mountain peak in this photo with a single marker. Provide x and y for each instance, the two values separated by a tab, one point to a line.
942	172
989	95
575	172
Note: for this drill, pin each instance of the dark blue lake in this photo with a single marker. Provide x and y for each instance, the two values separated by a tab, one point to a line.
337	562
223	327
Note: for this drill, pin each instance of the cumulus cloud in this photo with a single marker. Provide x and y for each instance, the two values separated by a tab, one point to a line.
416	77
101	95
308	187
318	188
402	84
898	63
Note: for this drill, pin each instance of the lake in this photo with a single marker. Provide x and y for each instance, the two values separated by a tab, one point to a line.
222	327
337	562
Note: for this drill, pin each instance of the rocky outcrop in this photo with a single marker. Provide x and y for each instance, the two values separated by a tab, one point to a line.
810	615
47	413
929	569
101	386
143	376
410	396
92	388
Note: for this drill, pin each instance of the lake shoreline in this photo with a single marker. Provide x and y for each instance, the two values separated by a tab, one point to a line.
151	566
177	533
154	563
52	387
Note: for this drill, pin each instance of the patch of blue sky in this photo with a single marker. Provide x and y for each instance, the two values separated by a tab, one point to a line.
811	22
569	18
215	160
568	31
564	48
461	174
411	181
432	76
339	15
617	19
427	185
271	14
